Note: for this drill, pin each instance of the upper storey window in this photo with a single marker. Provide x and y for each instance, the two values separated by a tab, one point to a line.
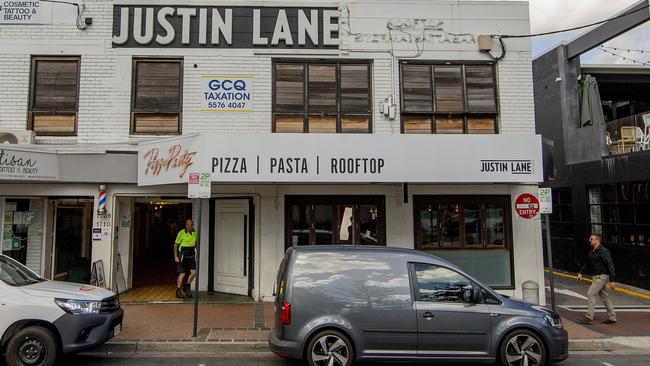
157	96
322	97
54	96
448	98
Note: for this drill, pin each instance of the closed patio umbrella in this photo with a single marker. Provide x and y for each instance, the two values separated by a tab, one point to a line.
591	109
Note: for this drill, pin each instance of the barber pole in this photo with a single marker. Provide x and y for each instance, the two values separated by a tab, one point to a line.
102	203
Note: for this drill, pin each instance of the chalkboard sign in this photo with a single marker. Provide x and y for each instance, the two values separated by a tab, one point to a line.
120	281
97	274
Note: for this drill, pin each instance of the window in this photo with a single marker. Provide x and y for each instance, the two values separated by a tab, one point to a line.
330	220
328	97
620	212
54	96
460	222
448	99
156	97
440	284
561	220
473	232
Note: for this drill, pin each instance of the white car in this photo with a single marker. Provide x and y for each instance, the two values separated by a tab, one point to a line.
42	319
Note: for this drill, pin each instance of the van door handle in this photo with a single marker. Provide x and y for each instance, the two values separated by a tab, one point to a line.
427	314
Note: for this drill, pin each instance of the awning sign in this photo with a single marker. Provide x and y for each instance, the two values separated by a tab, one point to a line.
227	93
27	165
339	158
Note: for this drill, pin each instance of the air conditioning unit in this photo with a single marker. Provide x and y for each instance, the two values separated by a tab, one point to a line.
20	137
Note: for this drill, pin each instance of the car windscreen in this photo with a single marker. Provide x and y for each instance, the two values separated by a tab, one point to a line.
15	274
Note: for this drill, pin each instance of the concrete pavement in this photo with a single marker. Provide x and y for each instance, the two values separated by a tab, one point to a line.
156	328
265	359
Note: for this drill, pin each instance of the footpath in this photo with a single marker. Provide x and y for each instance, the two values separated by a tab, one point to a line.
234	329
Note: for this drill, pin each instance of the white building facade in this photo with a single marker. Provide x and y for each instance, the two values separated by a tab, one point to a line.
352	123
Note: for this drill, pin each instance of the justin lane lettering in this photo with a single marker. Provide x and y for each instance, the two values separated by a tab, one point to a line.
287	27
10	163
512	166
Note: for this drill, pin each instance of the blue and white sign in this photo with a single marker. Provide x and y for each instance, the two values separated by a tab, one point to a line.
226	93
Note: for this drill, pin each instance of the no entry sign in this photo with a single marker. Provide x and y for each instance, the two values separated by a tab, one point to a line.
527	206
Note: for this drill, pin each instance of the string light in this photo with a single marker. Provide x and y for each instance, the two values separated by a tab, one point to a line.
625	49
624	58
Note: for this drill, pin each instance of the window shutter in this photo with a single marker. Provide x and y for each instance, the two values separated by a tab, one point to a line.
481	93
416	88
322	88
289	88
55	85
448	82
157	87
355	93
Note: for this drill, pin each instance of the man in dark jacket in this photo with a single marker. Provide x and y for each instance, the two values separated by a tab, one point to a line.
599	264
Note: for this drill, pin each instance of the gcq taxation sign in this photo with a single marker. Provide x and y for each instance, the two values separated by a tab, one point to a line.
323	158
226	93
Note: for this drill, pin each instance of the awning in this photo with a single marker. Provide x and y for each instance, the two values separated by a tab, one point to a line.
338	158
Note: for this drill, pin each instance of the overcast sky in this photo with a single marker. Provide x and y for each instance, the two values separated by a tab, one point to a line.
549	15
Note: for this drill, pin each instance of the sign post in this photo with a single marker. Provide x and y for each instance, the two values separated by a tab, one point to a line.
546	208
198	186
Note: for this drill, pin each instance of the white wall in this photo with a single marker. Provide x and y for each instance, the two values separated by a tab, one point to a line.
105	90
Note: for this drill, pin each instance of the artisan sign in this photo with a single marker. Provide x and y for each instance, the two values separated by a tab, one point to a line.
225	27
324	158
20	12
226	93
27	165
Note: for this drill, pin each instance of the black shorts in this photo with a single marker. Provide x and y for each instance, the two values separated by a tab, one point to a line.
187	260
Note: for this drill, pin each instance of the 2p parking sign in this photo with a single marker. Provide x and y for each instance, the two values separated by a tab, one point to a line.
224	93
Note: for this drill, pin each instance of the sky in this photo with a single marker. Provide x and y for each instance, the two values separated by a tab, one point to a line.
550	15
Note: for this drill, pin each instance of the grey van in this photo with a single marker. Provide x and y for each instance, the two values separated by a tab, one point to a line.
336	304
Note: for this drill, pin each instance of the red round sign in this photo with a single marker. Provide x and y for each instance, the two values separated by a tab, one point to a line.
527	206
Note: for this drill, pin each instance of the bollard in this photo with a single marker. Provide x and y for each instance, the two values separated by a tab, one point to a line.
530	291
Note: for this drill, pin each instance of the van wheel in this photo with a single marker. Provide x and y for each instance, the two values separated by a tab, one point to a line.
522	347
329	348
32	346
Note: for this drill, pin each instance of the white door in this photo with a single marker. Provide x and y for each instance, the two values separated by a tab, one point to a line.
231	246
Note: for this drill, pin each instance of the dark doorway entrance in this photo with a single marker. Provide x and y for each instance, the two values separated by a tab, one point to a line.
72	240
156	224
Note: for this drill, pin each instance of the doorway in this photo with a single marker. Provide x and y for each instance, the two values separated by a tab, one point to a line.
155	226
232	245
72	250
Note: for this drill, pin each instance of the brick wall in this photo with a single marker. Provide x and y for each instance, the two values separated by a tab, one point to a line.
105	80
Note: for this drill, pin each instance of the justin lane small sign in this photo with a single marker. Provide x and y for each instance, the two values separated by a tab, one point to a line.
518	167
225	27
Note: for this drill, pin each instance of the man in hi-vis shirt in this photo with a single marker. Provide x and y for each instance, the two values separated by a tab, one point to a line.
185	256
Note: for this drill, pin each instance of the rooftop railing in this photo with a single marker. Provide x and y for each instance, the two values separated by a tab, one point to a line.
628	134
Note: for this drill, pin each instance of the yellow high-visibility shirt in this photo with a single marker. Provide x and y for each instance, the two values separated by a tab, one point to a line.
185	239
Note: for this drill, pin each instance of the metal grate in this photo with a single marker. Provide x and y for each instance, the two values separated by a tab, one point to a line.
110	305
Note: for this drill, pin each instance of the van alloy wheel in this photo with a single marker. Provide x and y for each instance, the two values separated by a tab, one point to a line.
330	350
523	350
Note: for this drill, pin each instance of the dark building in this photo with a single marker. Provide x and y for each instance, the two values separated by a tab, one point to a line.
599	168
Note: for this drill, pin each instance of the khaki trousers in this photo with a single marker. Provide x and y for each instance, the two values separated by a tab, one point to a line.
599	287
